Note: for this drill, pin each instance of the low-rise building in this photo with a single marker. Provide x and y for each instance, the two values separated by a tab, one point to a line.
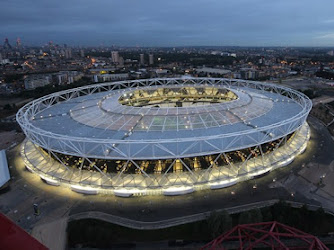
66	77
213	71
35	81
110	77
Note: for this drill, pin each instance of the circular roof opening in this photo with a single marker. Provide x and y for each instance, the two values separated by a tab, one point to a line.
168	97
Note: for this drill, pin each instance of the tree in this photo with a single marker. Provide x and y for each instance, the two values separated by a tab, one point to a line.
266	214
309	93
256	215
7	106
226	221
279	210
219	222
245	217
251	216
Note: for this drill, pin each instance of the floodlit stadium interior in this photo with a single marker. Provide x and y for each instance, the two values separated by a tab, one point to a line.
160	166
163	136
176	97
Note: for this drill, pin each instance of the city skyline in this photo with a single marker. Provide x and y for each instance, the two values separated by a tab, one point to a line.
174	23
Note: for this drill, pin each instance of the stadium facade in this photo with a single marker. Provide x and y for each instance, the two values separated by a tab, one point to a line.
163	136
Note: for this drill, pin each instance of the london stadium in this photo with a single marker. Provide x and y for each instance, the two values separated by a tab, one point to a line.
166	136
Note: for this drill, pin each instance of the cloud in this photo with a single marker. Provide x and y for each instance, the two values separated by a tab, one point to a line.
167	23
326	36
328	21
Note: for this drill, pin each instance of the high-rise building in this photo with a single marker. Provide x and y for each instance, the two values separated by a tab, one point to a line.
142	61
121	61
82	53
68	53
150	59
18	43
115	57
6	44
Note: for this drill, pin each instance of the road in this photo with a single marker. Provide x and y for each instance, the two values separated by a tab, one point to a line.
322	99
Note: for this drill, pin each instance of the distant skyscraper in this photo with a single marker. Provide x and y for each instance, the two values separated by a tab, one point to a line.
121	61
115	57
150	59
82	53
18	43
68	53
6	44
142	61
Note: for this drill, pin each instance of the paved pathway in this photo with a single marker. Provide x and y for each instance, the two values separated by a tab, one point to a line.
316	179
52	235
146	225
322	99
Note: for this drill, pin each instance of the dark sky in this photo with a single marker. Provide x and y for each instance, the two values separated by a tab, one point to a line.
170	22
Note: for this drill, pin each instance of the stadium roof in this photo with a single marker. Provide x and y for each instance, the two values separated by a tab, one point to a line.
99	118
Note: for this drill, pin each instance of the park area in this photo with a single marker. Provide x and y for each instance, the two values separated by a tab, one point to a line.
99	234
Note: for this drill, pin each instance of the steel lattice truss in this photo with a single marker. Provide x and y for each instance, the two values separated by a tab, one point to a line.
89	122
53	170
266	234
